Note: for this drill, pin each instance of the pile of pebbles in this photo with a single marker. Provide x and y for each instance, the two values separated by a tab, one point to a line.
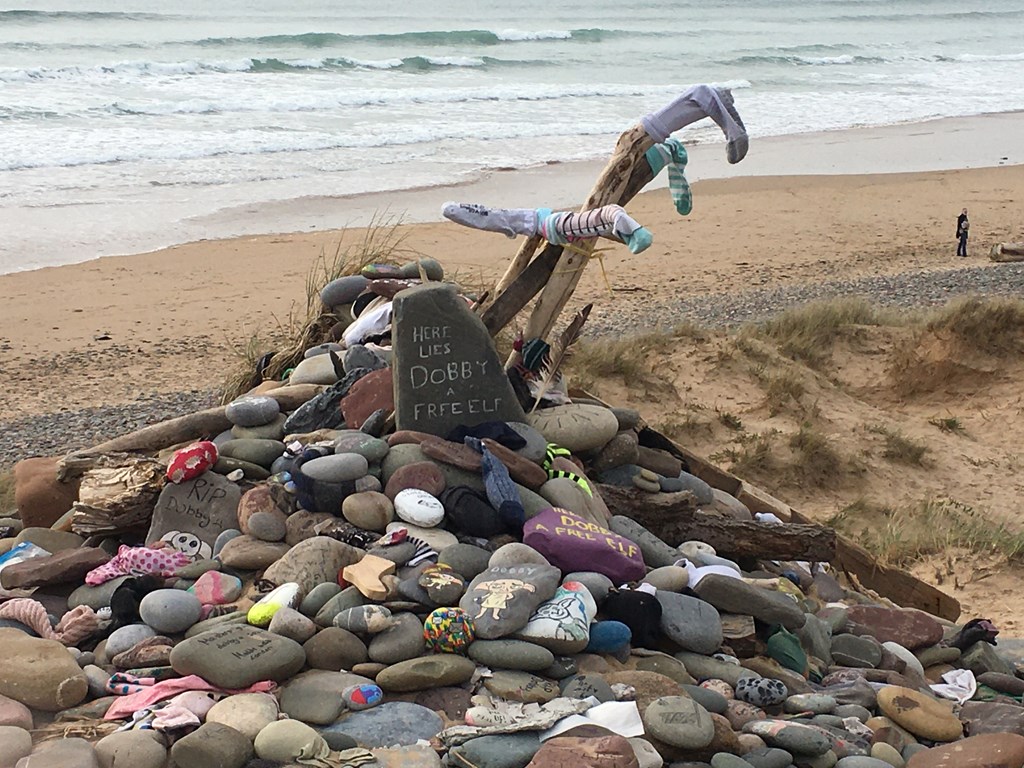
324	585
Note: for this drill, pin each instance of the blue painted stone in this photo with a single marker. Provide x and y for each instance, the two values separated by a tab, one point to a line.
608	637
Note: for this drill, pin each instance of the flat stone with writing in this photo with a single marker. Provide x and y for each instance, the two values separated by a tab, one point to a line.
573	544
447	372
238	656
191	515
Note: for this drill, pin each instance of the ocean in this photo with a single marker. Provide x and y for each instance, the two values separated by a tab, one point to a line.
124	124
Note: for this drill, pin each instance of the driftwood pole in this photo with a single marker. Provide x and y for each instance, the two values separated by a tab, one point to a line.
556	270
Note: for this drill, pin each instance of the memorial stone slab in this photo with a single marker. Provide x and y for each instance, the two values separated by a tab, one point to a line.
447	372
191	515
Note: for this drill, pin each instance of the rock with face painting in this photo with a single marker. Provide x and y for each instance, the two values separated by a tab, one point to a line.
191	515
573	544
560	624
501	600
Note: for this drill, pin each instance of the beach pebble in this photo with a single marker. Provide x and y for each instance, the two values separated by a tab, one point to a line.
252	410
170	611
418	508
336	468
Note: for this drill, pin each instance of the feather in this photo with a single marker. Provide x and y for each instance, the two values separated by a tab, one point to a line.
560	352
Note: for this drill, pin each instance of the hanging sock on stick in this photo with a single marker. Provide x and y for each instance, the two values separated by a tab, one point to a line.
672	154
558	228
695	104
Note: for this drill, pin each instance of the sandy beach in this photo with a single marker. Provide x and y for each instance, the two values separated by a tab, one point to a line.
806	209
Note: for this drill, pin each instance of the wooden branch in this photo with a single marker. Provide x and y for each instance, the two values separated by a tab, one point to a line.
193	426
674	518
610	188
518	264
622	179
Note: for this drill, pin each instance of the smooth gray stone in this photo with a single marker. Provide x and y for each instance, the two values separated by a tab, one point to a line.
854	651
63	753
252	410
315	696
465	559
323	349
359	356
704	667
982	657
583	686
711	700
735	596
511	654
339	468
237	656
726	760
858	761
212	745
389	724
260	452
401	641
536	446
317	598
349	597
95	597
692	624
769	757
122	639
513	750
373	449
816	638
343	290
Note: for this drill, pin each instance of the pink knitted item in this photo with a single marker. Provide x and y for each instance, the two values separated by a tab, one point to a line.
138	561
77	624
165	689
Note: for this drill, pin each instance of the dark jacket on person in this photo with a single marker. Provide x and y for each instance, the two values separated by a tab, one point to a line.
962	224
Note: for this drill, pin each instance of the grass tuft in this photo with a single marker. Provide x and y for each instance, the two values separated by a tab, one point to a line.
689	422
630	359
815	461
991	325
308	326
731	420
904	535
750	454
808	333
950	425
899	447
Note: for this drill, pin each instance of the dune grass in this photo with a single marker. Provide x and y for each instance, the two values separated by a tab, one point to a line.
808	333
306	326
901	536
632	359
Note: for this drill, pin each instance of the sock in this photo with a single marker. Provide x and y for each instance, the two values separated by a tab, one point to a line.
561	228
699	102
501	491
672	153
509	221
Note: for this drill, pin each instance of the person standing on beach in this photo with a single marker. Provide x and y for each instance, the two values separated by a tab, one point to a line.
962	225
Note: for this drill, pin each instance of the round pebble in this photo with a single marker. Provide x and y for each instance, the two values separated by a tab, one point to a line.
170	611
419	508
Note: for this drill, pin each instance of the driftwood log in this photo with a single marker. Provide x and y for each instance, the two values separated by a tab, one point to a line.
558	270
674	518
